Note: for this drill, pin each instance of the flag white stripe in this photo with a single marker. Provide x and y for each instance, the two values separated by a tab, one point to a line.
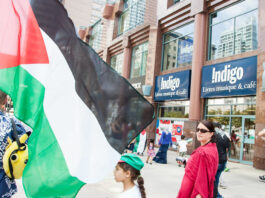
87	152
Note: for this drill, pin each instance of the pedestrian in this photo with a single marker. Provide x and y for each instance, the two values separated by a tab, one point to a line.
142	141
202	165
164	142
223	145
7	185
234	140
261	134
136	143
127	171
182	146
150	152
130	147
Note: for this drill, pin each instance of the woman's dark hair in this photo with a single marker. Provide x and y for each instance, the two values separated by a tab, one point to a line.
209	124
135	175
2	97
151	141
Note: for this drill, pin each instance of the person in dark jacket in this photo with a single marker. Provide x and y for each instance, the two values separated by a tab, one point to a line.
223	145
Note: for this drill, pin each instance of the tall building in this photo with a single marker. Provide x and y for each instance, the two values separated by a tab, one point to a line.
85	13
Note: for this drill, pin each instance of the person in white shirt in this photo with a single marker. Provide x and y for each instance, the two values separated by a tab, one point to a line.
127	171
182	146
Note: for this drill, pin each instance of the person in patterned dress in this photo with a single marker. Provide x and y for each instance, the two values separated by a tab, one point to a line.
7	185
150	152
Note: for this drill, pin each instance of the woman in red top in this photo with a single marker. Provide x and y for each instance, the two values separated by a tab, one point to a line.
198	181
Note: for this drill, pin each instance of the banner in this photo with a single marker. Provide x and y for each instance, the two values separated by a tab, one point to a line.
233	78
173	86
172	126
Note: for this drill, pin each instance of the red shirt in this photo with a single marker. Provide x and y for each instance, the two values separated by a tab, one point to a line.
200	173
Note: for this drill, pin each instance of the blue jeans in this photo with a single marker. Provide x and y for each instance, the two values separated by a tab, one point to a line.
220	169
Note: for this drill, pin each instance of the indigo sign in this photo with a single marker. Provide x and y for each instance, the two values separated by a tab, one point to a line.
234	78
173	86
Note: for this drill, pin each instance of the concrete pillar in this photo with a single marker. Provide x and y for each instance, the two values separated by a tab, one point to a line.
197	64
127	54
153	57
152	70
259	147
199	51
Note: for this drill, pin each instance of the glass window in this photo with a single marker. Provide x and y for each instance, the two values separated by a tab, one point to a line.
234	30
249	109
133	15
224	121
139	60
178	47
174	112
116	62
231	106
230	101
95	38
218	110
175	109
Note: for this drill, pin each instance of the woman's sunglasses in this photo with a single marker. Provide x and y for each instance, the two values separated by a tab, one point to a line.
202	130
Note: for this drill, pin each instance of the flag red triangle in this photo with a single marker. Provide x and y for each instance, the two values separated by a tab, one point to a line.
21	41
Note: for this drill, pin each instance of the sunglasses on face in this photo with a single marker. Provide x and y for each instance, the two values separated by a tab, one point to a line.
202	130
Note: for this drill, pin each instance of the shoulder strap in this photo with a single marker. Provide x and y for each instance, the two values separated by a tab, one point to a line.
14	133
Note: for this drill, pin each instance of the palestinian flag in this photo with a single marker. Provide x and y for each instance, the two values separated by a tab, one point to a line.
83	114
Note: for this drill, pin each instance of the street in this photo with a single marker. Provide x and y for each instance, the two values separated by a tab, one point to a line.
163	181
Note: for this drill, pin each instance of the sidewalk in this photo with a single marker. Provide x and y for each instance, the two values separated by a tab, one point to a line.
164	180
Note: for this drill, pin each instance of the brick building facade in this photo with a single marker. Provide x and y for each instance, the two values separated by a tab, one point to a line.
219	42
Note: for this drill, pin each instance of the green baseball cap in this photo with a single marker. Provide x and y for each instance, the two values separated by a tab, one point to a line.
132	160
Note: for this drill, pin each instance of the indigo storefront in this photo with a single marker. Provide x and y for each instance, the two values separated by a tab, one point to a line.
230	92
172	95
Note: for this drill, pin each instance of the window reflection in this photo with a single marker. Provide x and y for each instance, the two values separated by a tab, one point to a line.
234	100
95	39
116	62
174	112
234	10
133	15
218	110
234	30
178	47
139	60
244	109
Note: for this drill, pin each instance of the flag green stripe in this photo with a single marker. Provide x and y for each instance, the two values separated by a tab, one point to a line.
27	94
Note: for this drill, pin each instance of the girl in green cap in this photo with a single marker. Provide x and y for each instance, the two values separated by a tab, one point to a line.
127	171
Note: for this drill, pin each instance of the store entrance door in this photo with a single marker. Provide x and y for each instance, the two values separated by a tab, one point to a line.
243	139
248	140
